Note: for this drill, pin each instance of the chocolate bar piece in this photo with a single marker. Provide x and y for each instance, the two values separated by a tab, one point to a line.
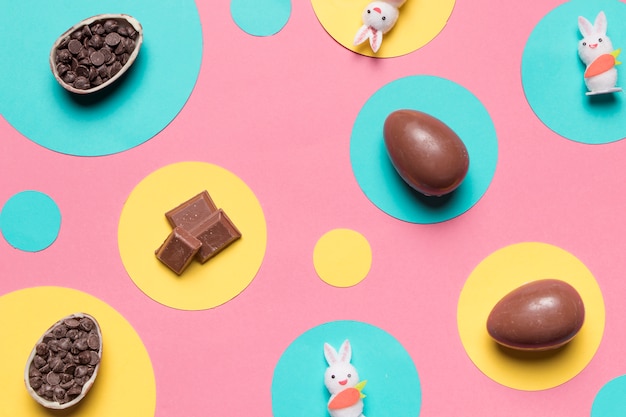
216	232
178	250
192	212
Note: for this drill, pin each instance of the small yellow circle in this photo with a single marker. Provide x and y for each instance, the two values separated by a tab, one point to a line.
125	385
504	271
143	227
419	22
342	257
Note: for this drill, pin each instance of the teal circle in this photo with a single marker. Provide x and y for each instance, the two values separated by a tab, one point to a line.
30	221
610	401
393	386
260	17
123	115
552	74
446	101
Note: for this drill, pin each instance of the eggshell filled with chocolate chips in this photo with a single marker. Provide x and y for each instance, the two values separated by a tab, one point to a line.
425	152
541	315
64	362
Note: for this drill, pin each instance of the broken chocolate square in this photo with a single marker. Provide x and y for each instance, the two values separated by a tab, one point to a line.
178	250
192	212
216	232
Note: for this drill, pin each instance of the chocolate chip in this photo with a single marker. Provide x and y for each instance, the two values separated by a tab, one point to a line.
112	39
84	357
82	83
36	382
110	26
42	349
86	324
74	46
82	71
53	378
93	341
97	58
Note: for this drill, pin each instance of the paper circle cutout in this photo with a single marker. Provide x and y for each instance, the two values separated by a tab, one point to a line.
500	273
552	75
419	23
393	386
441	99
609	400
260	17
127	113
125	384
143	228
342	257
30	221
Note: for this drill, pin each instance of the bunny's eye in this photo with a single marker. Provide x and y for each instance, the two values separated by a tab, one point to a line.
599	39
369	11
584	43
349	375
332	376
384	18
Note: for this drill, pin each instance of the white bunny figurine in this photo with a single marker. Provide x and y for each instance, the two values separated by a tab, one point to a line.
342	381
596	51
378	18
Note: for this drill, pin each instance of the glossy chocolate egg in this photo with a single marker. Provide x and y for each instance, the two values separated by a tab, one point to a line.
427	154
540	315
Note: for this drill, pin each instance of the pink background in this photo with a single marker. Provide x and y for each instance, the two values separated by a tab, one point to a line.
278	112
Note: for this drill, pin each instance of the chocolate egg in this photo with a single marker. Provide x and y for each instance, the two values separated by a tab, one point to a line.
427	154
64	362
540	315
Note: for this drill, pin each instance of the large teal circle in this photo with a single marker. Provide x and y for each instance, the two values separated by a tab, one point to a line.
392	389
260	17
123	115
30	221
609	401
552	74
446	101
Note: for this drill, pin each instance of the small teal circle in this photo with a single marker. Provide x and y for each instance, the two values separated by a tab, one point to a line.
30	221
552	74
446	101
123	115
609	401
392	389
260	17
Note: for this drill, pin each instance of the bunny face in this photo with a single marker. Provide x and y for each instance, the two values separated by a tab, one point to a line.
340	376
380	15
340	373
595	42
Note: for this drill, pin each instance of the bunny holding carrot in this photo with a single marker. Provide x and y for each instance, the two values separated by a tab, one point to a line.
596	51
342	380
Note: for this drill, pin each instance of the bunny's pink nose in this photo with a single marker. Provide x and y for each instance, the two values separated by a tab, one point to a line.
344	382
377	9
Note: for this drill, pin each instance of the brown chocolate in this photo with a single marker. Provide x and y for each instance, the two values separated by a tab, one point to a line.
540	315
215	232
427	154
91	44
192	212
51	375
178	250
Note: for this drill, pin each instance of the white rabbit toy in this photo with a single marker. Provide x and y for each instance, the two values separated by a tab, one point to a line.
378	18
342	381
596	51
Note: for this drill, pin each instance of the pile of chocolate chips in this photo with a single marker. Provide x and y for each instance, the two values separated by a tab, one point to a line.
93	54
65	360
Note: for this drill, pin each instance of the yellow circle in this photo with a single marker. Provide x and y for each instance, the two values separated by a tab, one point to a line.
342	257
143	227
125	384
504	271
419	22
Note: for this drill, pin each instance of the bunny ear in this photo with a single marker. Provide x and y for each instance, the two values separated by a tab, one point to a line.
361	35
376	39
396	3
584	26
330	354
600	23
345	351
